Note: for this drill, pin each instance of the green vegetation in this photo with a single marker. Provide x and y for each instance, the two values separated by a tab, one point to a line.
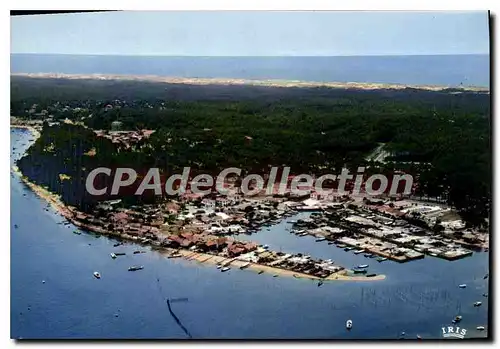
443	138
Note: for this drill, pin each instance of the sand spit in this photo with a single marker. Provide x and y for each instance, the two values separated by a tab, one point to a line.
241	82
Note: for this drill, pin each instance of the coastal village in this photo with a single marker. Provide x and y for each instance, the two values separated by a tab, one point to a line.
217	229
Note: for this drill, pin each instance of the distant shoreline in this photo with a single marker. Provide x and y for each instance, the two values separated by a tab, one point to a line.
246	82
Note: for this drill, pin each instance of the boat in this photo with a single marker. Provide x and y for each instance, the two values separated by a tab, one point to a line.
368	255
260	272
97	275
371	275
480	328
362	266
320	283
320	239
359	251
486	276
275	275
77	232
330	242
373	256
418	336
137	252
113	255
120	253
462	286
225	269
359	271
433	254
348	324
477	304
381	259
485	295
246	265
458	318
118	244
135	268
341	245
218	266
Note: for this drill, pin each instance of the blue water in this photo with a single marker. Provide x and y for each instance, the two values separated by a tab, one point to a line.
417	297
448	70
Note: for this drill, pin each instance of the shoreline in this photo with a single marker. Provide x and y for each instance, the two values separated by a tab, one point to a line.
201	258
249	82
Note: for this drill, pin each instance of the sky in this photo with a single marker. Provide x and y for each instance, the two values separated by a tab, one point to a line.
223	33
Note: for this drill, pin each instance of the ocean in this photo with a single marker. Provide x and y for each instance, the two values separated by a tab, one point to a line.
445	70
54	294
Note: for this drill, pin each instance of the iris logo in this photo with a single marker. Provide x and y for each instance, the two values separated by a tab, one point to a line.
451	331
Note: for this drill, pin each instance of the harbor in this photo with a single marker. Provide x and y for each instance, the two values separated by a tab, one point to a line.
426	288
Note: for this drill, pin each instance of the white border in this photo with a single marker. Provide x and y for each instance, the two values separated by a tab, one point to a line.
195	5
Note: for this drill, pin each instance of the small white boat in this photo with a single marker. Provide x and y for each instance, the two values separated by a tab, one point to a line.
480	328
225	269
246	265
348	324
97	275
358	251
477	304
113	255
363	266
462	286
219	266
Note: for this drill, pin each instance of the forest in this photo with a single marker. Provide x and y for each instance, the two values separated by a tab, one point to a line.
442	137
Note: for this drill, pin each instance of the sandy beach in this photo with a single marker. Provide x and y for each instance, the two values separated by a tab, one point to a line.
236	82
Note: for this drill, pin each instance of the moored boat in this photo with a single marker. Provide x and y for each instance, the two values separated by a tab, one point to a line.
480	328
381	259
225	269
135	268
246	265
362	266
358	251
359	271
